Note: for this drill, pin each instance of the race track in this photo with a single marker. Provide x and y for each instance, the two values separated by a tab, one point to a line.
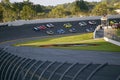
28	63
26	31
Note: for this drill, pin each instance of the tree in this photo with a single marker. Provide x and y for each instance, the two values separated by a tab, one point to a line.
8	13
100	9
83	6
1	13
117	6
111	2
27	12
75	9
59	11
79	7
5	1
37	8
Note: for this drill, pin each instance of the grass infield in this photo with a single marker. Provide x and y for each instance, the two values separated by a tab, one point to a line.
101	45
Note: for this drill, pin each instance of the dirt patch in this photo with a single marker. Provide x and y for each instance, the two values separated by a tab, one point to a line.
68	45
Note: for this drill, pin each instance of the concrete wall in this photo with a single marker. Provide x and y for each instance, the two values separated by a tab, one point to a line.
21	22
112	41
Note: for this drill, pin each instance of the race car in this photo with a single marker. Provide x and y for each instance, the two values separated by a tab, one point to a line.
42	27
38	28
60	31
72	30
92	22
49	32
82	23
67	25
49	25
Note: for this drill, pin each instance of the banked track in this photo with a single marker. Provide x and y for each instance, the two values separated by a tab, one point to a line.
26	30
16	66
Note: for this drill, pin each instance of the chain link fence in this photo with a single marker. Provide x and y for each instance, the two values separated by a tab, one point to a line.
113	34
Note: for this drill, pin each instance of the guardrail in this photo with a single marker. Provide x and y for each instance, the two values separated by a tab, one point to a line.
22	22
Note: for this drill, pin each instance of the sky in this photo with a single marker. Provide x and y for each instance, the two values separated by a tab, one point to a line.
50	2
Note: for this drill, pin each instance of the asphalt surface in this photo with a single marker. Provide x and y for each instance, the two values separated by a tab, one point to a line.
26	31
17	32
30	63
70	56
14	34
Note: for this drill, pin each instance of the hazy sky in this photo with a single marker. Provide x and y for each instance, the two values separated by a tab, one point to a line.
50	2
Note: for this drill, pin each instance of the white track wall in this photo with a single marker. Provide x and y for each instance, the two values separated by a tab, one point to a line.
112	41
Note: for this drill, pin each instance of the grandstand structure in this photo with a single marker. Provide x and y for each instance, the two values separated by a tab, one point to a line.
14	67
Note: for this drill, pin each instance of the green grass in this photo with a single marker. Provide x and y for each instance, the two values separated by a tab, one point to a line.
102	46
84	38
61	40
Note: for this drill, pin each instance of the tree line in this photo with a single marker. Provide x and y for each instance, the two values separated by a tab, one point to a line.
28	10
